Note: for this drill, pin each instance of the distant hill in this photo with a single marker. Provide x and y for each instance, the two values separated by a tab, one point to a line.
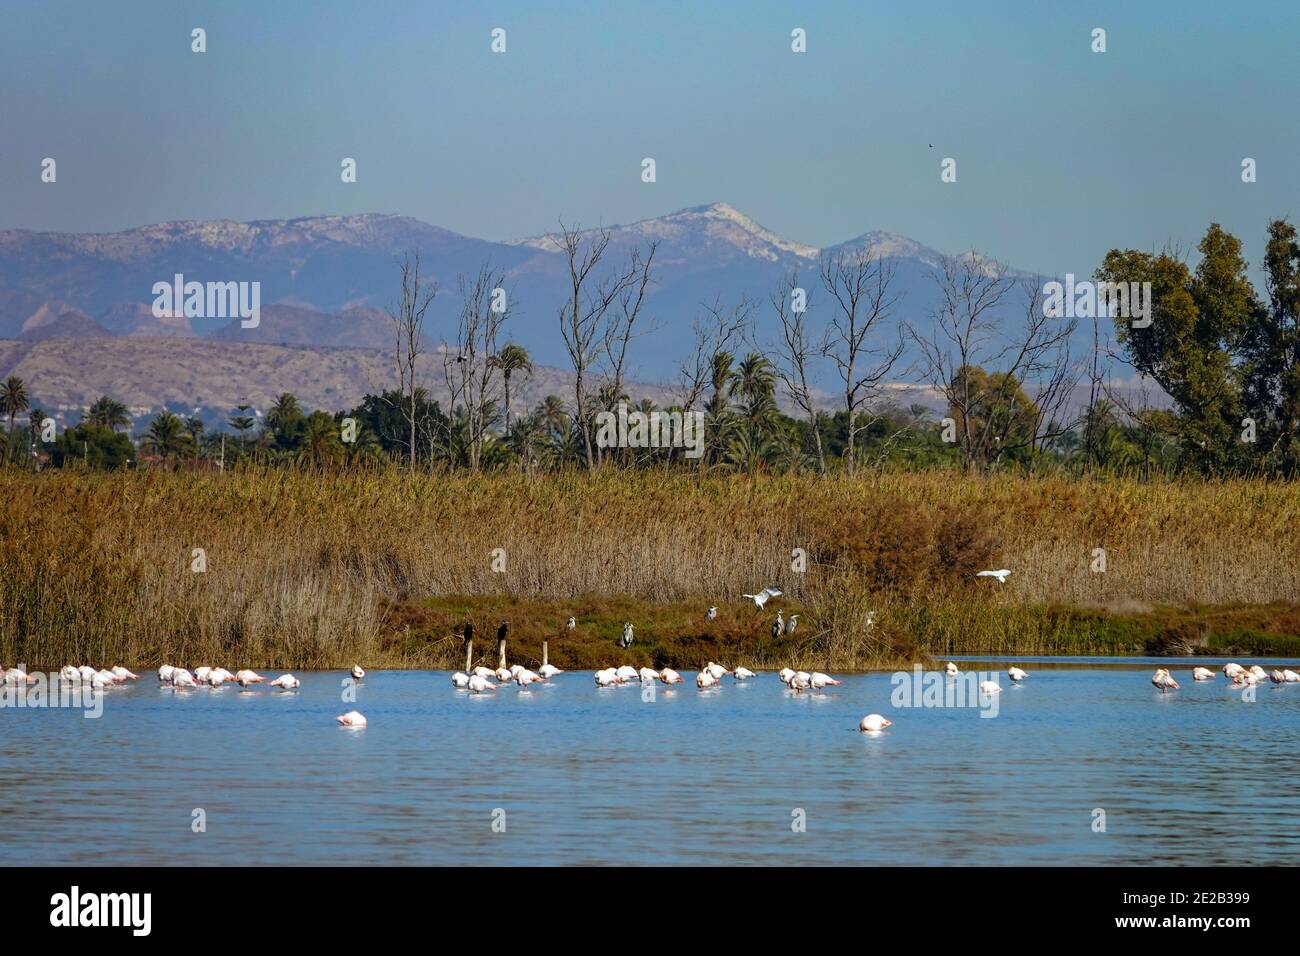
327	279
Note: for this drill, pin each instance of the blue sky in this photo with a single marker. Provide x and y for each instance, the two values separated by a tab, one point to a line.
1061	153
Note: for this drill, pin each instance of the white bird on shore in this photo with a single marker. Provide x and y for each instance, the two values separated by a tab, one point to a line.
1202	673
778	626
791	624
785	673
1000	574
627	673
549	670
353	718
648	675
121	673
705	679
670	676
951	669
480	684
742	673
716	671
1016	674
817	680
182	678
165	673
358	672
1164	680
762	597
460	679
874	723
244	678
711	613
286	682
989	687
572	623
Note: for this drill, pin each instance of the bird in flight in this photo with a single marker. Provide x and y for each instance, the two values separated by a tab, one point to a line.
1000	574
762	597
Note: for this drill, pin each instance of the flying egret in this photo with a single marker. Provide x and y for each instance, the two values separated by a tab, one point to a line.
1000	574
762	597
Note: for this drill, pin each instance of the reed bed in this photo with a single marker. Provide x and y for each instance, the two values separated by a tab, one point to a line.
314	570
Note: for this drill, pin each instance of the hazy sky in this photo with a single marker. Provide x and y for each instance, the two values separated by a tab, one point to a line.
1061	153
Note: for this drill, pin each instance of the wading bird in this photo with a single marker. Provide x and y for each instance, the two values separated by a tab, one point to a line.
121	673
460	680
165	673
626	640
743	673
648	675
705	679
481	684
716	671
1016	674
874	723
711	613
1232	670
487	673
778	626
670	676
951	669
627	673
785	673
573	622
791	624
549	670
1291	676
353	718
244	678
817	680
286	682
182	678
989	687
1164	680
70	674
358	672
799	681
1277	677
606	678
1000	574
762	597
1202	673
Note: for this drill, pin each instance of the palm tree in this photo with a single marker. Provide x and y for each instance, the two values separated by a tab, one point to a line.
242	422
13	399
320	439
108	413
753	385
512	358
166	436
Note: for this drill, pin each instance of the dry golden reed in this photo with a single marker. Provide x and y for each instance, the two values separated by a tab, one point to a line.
303	569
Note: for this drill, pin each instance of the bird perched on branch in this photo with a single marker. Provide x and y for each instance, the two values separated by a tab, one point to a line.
762	597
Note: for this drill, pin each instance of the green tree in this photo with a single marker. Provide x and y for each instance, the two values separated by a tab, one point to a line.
13	401
108	413
510	360
1271	354
166	437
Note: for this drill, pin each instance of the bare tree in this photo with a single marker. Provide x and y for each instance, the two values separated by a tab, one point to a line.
980	369
583	324
408	330
715	330
857	341
621	325
468	367
795	351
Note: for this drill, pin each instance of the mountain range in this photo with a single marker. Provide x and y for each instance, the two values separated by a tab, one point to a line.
326	280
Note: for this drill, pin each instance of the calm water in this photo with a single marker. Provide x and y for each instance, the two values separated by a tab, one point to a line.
588	776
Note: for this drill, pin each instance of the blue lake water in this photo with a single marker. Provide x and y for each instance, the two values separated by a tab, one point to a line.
604	776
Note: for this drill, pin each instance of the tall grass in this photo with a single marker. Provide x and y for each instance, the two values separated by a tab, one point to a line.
305	570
